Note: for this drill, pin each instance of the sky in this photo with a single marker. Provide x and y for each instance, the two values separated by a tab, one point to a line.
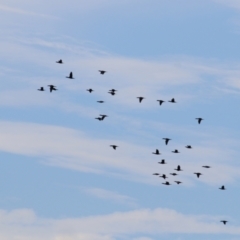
59	177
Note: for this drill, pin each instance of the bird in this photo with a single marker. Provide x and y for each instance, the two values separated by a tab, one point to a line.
166	183
112	90
224	222
41	89
198	174
175	151
166	140
206	166
156	174
99	118
157	152
162	162
52	88
70	75
199	120
178	168
160	102
113	146
222	188
189	146
59	61
163	176
102	71
100	101
90	90
178	182
103	116
174	174
172	100
140	99
112	93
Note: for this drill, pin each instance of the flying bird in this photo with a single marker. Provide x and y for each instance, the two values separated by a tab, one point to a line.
166	183
162	162
166	140
90	90
156	174
175	151
224	222
41	89
157	152
99	118
198	174
172	100
102	71
206	166
163	176
178	182
160	102
189	146
112	93
199	120
178	168
174	174
59	61
52	88
103	116
113	146
100	101
222	188
70	75
140	99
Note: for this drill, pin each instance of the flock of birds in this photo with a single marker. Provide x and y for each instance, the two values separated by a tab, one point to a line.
103	116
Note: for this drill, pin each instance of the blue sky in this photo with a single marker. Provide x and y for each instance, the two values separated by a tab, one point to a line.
60	180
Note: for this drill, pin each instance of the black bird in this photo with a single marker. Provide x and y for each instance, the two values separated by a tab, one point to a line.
198	174
102	71
60	61
206	166
70	75
172	100
178	168
140	99
52	88
166	183
224	222
199	120
166	140
112	93
112	90
41	89
156	174
178	182
103	116
160	102
99	118
100	101
113	146
90	90
222	188
162	162
175	151
174	174
163	176
189	146
157	152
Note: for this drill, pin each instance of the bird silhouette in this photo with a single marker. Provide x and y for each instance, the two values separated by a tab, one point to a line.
163	176
140	99
59	61
172	100
224	222
90	90
99	118
112	93
178	168
222	188
157	152
162	162
113	146
166	183
156	174
41	89
199	120
70	75
206	166
160	102
100	101
52	88
175	151
174	174
103	116
102	71
198	174
166	140
178	182
189	146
